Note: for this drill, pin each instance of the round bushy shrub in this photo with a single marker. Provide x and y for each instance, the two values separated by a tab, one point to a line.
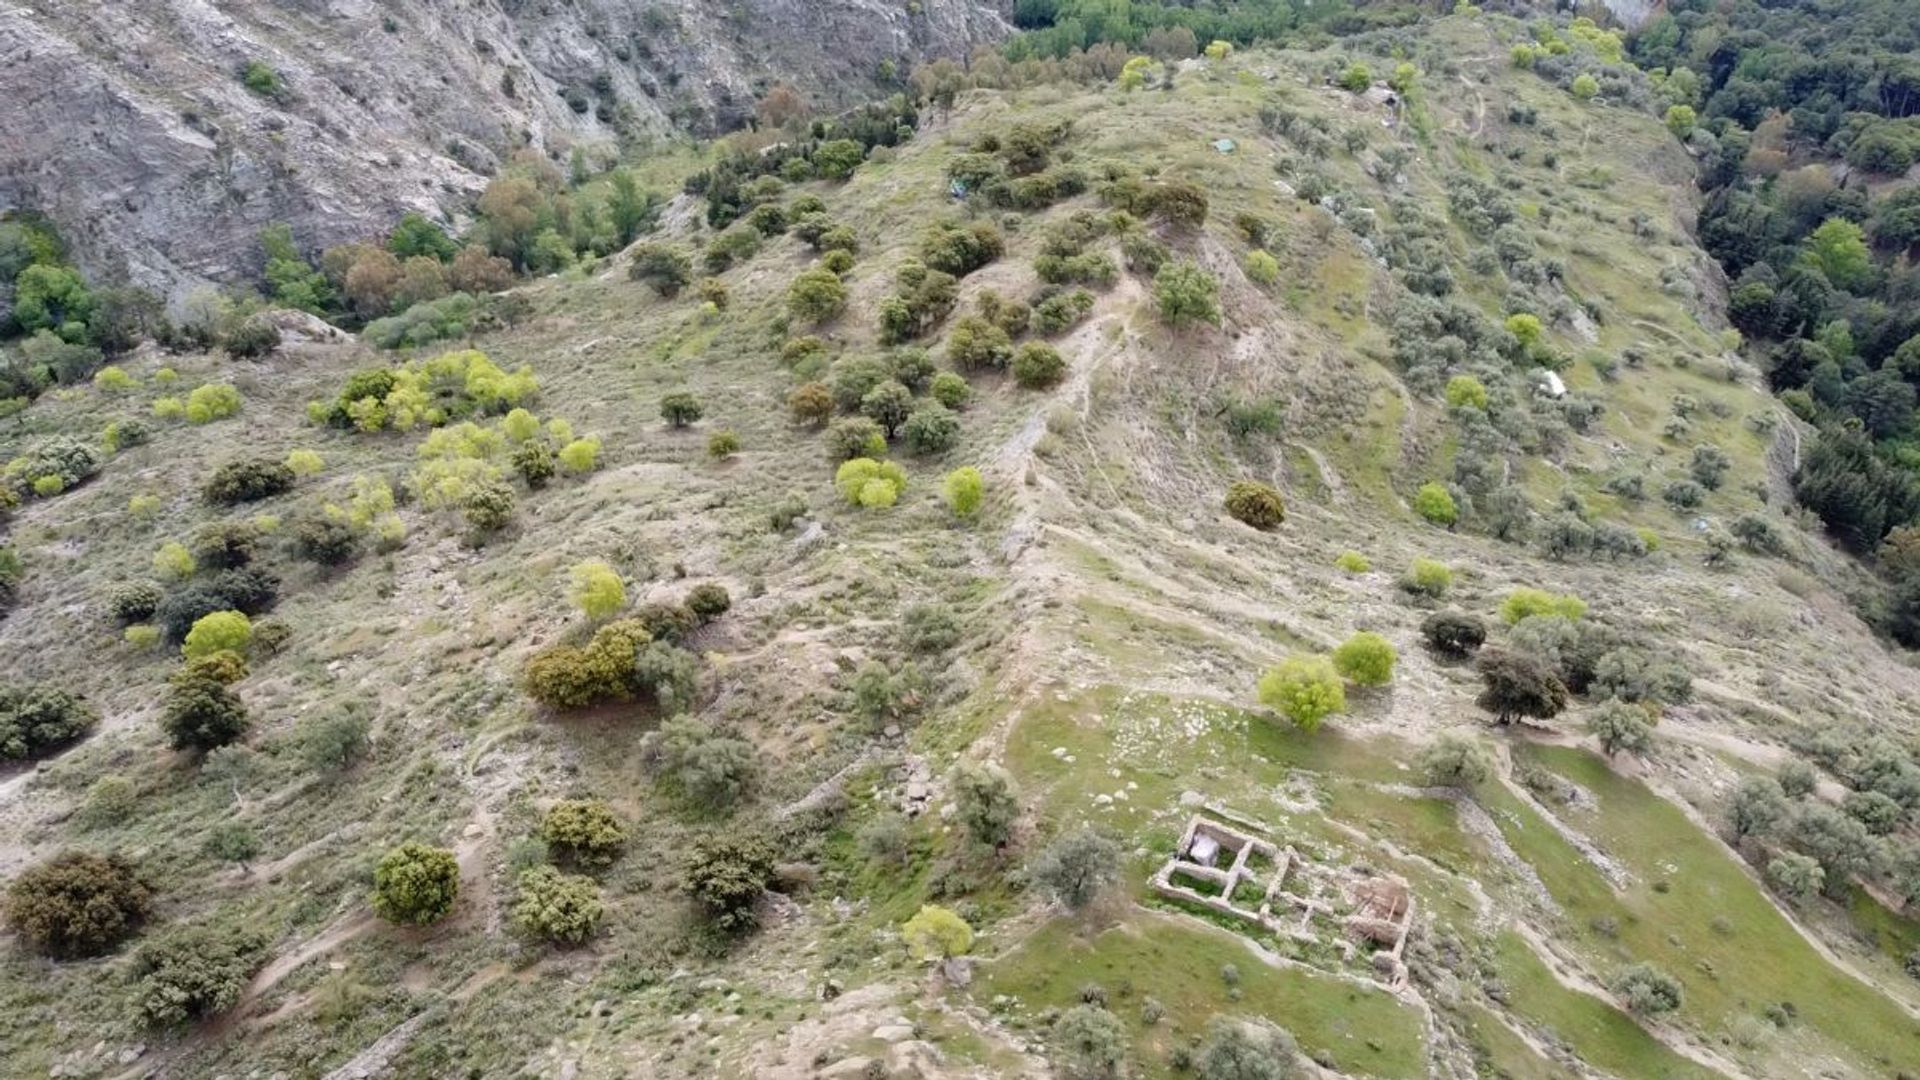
931	429
248	591
1037	366
573	677
585	832
77	904
415	884
562	908
1255	504
323	539
854	437
134	601
215	632
709	601
951	389
1454	633
37	719
195	972
248	481
225	545
1365	658
201	713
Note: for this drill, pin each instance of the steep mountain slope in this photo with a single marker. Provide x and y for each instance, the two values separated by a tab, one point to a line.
133	124
1098	631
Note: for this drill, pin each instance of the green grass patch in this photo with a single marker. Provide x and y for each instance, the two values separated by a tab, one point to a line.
1362	1031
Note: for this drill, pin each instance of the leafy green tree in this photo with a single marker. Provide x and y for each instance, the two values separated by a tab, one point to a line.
1455	762
1757	809
55	298
1237	1049
1680	120
1077	867
888	404
293	280
1366	658
1427	577
1795	876
1454	633
1184	294
1465	391
816	296
1261	268
557	907
1037	366
680	409
977	344
1356	79
416	236
725	875
416	884
630	211
1621	728
1089	1043
1304	689
1797	779
200	712
984	796
1515	685
1585	86
666	270
931	429
78	904
1838	248
711	769
836	159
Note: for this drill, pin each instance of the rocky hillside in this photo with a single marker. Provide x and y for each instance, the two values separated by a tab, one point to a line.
163	136
799	645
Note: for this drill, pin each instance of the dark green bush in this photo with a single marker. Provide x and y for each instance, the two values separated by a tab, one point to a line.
323	539
78	904
1454	633
931	429
225	545
248	480
200	712
37	719
709	601
134	601
248	591
195	972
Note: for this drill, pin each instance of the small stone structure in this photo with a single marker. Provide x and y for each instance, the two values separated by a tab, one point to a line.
1278	889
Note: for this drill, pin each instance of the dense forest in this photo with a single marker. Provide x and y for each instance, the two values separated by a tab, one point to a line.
1809	116
1058	27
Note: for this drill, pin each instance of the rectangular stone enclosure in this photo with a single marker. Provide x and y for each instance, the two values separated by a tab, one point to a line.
1232	871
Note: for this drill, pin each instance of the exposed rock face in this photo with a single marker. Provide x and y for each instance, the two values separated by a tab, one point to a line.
129	123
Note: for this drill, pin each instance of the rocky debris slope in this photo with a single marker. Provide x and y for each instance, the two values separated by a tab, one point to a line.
133	127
